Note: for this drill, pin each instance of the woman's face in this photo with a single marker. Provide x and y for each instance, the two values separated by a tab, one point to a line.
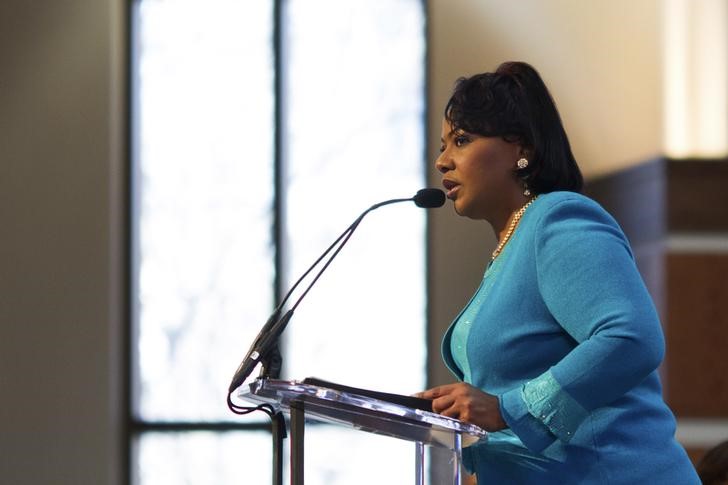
478	172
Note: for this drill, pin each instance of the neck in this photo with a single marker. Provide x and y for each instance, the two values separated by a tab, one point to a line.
508	231
502	220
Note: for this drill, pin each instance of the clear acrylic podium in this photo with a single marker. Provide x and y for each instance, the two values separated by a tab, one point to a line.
303	401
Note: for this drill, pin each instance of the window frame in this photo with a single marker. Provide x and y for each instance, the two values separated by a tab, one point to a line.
134	427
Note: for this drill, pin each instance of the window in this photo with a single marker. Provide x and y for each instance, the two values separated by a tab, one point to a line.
250	116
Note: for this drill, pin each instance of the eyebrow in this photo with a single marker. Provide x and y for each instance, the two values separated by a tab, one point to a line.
449	134
452	132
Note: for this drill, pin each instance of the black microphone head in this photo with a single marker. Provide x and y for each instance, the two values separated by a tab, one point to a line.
429	198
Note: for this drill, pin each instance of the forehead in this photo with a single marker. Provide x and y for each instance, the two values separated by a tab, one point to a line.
446	129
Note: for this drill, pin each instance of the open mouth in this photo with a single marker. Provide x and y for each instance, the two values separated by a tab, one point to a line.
451	187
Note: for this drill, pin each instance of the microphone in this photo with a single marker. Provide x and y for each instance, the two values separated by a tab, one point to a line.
267	338
429	198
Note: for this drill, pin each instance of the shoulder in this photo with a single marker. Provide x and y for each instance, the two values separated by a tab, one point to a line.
564	206
570	218
571	199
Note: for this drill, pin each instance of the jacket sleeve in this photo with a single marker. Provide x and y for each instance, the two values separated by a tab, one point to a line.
589	282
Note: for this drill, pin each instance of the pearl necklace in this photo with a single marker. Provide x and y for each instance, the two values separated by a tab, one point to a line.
511	227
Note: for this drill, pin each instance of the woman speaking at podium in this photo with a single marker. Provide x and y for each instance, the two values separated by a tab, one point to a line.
558	349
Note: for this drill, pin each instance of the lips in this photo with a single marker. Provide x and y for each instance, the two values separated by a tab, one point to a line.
451	187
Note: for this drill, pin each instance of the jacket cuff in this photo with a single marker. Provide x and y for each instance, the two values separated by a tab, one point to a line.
531	431
548	402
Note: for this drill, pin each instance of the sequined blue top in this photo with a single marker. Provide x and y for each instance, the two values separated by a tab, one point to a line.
564	332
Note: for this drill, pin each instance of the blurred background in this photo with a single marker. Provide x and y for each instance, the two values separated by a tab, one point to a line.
170	167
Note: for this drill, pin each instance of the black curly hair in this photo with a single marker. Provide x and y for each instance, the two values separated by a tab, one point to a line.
514	103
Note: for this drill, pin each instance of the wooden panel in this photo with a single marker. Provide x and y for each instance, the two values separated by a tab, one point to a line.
697	195
636	199
695	453
697	334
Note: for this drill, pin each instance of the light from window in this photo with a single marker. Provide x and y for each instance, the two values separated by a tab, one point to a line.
354	127
202	458
205	190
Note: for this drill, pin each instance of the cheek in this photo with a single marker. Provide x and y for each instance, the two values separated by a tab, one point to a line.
487	168
482	159
495	171
486	172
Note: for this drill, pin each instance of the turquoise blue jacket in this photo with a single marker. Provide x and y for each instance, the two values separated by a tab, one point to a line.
564	332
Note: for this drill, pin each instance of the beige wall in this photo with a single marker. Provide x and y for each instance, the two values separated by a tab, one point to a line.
60	282
601	59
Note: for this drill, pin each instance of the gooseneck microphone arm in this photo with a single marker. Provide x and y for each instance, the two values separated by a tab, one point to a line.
267	338
348	233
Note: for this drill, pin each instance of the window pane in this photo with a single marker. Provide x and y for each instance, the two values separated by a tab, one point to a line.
354	127
202	458
204	263
354	124
343	456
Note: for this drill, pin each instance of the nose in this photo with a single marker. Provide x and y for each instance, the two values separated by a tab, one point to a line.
443	163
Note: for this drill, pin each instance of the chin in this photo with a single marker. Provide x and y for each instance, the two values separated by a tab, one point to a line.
462	210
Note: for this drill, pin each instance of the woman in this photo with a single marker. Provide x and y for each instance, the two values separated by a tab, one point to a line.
557	350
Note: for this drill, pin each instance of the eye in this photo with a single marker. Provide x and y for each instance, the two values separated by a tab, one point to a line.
442	148
461	140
